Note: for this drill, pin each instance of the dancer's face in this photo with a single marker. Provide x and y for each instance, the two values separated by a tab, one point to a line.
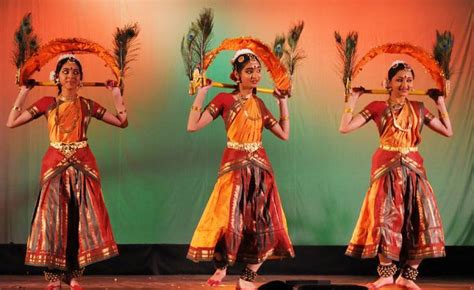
70	76
250	75
401	83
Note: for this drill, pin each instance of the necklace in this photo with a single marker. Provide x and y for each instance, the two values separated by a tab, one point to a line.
398	107
61	122
67	99
242	101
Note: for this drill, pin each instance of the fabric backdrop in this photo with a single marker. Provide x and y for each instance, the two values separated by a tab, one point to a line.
157	177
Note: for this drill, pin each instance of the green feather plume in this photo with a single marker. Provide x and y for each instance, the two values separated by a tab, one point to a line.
294	55
203	27
294	35
125	46
26	42
442	51
196	44
279	46
190	58
347	54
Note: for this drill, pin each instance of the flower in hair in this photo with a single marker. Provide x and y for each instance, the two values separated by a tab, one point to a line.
52	76
68	56
241	52
397	62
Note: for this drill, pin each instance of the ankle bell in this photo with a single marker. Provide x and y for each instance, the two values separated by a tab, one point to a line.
386	270
409	273
248	275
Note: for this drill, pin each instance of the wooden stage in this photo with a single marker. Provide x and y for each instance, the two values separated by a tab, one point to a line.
193	282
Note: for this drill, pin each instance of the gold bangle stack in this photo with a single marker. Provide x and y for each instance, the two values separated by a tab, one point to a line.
15	108
285	118
444	115
348	110
195	108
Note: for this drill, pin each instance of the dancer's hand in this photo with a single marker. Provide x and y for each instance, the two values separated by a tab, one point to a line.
355	94
30	83
357	91
28	86
435	95
113	86
110	84
281	94
25	89
204	89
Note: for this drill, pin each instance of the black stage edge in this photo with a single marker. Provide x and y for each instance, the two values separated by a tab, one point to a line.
309	260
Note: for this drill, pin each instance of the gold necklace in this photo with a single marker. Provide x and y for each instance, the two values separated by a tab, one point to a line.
241	99
58	120
399	107
67	99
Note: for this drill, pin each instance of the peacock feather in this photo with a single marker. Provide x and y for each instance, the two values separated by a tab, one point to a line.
26	42
190	58
347	54
442	51
196	44
294	55
125	46
279	46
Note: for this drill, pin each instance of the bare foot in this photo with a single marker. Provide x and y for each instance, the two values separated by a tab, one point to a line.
53	285
216	279
75	284
245	285
382	281
409	284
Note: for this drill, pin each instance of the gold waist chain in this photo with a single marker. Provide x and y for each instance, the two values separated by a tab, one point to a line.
68	149
248	147
403	150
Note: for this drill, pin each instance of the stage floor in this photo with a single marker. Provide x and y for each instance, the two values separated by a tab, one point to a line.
192	282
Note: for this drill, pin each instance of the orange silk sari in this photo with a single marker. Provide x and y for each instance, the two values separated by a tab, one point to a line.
399	217
70	227
243	219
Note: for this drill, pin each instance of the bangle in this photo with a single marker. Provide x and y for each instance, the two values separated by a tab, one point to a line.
348	110
444	115
285	118
195	108
15	108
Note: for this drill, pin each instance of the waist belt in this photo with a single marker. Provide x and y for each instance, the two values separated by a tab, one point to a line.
68	149
403	150
248	147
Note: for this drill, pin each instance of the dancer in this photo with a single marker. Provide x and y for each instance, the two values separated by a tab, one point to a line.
70	227
243	220
399	219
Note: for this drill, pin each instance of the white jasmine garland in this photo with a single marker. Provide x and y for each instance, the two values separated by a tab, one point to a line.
52	76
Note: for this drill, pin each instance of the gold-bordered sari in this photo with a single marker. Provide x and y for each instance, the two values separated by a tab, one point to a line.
243	220
70	212
399	217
